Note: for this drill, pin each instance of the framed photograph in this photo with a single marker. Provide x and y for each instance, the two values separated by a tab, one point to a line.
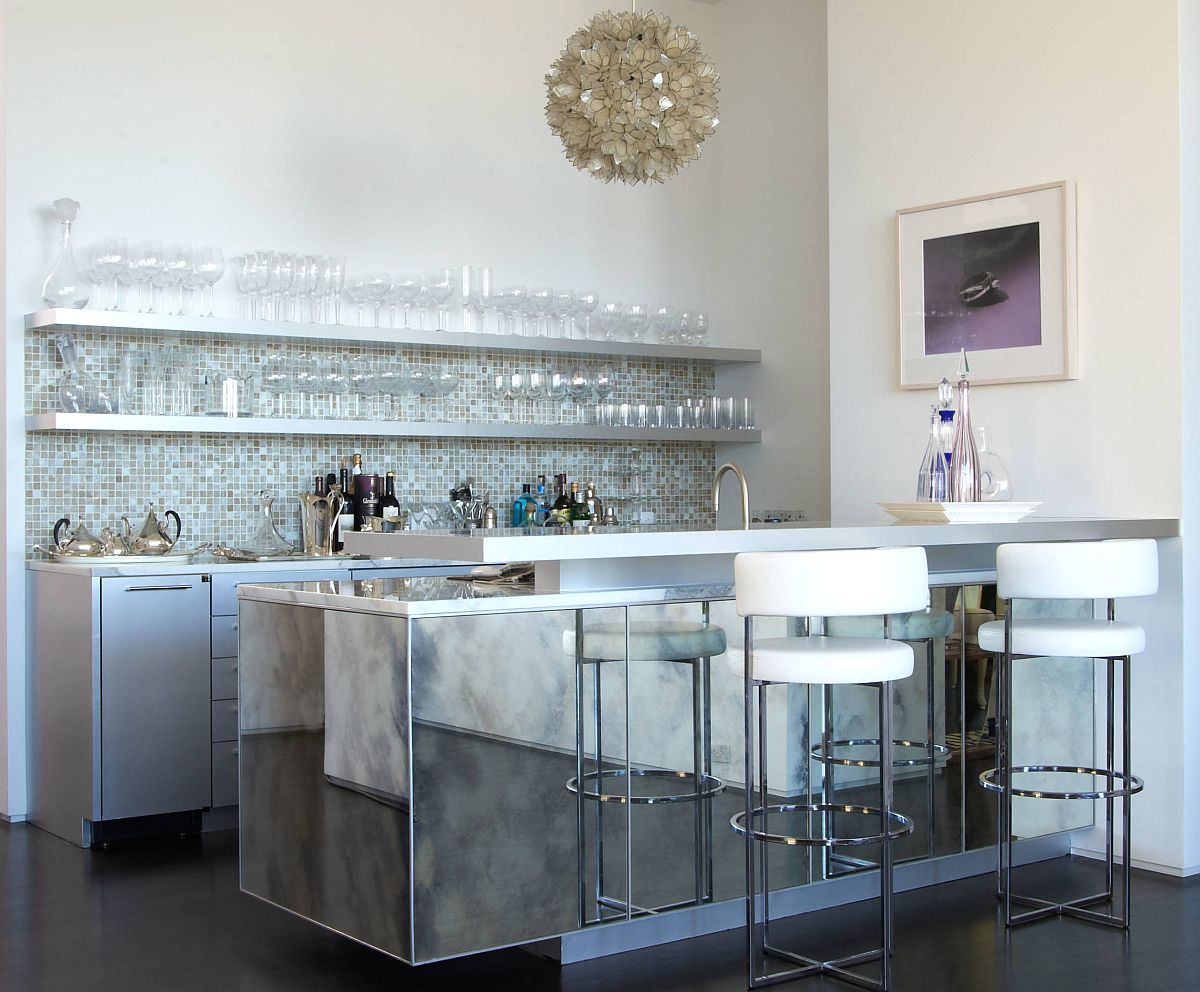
995	275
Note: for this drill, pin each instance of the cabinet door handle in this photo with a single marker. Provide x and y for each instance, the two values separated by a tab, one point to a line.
185	585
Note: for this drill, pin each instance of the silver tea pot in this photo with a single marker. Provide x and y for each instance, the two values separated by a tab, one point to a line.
77	543
155	537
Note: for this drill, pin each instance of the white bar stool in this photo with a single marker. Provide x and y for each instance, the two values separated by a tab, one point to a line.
922	627
683	642
822	584
1108	570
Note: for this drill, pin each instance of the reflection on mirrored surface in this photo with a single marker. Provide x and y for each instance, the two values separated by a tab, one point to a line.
408	780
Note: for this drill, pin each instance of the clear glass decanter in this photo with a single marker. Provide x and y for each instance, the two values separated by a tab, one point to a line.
931	479
964	456
995	477
77	390
266	539
65	286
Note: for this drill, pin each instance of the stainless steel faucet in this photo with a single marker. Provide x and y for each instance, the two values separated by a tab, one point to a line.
741	477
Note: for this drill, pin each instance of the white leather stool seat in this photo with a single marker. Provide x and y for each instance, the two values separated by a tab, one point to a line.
649	640
919	626
1053	638
827	660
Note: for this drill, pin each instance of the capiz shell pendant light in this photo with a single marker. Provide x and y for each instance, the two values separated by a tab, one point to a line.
632	97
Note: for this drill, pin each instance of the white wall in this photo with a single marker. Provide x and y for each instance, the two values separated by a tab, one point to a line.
410	135
924	107
770	238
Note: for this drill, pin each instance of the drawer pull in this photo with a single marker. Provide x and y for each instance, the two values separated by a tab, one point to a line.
186	585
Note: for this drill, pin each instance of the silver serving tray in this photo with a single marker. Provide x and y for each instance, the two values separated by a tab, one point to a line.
174	556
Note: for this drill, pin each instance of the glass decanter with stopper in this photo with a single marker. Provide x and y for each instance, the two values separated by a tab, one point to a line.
995	477
964	456
77	390
931	479
65	286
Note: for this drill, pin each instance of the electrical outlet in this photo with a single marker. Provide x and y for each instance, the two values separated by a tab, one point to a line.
722	754
646	517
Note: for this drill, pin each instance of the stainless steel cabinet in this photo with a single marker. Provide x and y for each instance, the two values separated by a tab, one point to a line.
155	752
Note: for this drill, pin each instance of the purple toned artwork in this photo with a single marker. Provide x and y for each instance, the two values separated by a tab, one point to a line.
983	290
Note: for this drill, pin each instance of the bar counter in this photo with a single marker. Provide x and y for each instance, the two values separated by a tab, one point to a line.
405	744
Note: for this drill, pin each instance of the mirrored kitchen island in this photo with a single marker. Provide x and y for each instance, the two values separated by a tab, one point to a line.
409	747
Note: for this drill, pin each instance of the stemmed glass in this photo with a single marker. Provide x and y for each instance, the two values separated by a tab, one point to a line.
563	307
483	297
700	327
406	289
682	328
335	381
537	305
662	322
579	385
468	281
258	278
378	285
586	302
274	376
306	285
637	319
362	383
609	319
441	289
604	382
147	260
178	263
114	257
556	387
307	380
333	279
357	291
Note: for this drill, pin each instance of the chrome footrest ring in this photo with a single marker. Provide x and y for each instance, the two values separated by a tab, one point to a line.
1132	786
710	786
939	751
898	825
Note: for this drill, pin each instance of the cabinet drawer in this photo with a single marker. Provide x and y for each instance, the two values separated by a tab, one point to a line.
225	773
224	638
224	679
224	584
225	720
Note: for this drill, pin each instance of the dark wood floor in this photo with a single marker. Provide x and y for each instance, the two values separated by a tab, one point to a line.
167	915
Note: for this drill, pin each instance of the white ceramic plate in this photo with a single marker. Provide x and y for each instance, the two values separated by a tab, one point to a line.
959	513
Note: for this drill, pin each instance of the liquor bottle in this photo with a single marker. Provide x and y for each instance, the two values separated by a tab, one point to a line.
368	500
595	507
542	500
521	504
931	479
580	515
561	510
356	470
964	456
390	506
345	522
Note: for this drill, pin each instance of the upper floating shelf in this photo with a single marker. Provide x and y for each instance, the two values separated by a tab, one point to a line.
224	327
139	424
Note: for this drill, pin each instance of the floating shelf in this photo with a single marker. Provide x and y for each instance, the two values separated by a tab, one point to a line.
224	327
139	424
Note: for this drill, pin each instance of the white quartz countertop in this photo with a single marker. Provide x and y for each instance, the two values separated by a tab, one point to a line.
510	544
434	597
207	565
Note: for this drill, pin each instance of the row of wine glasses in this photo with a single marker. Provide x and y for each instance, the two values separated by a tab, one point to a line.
157	276
338	386
695	412
429	296
555	384
284	285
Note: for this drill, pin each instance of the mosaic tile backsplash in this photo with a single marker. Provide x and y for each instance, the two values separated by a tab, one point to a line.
211	480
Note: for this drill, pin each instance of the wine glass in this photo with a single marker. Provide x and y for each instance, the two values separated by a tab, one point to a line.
178	263
357	291
483	297
147	260
661	323
637	319
210	267
333	277
579	385
114	254
258	276
274	377
406	289
468	279
361	375
604	382
563	306
608	319
538	304
700	327
586	302
682	328
335	381
517	298
281	279
441	289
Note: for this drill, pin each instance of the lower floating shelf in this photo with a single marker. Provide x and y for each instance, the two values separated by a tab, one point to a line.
141	424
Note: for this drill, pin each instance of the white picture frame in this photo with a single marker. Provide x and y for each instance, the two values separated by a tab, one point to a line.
994	274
